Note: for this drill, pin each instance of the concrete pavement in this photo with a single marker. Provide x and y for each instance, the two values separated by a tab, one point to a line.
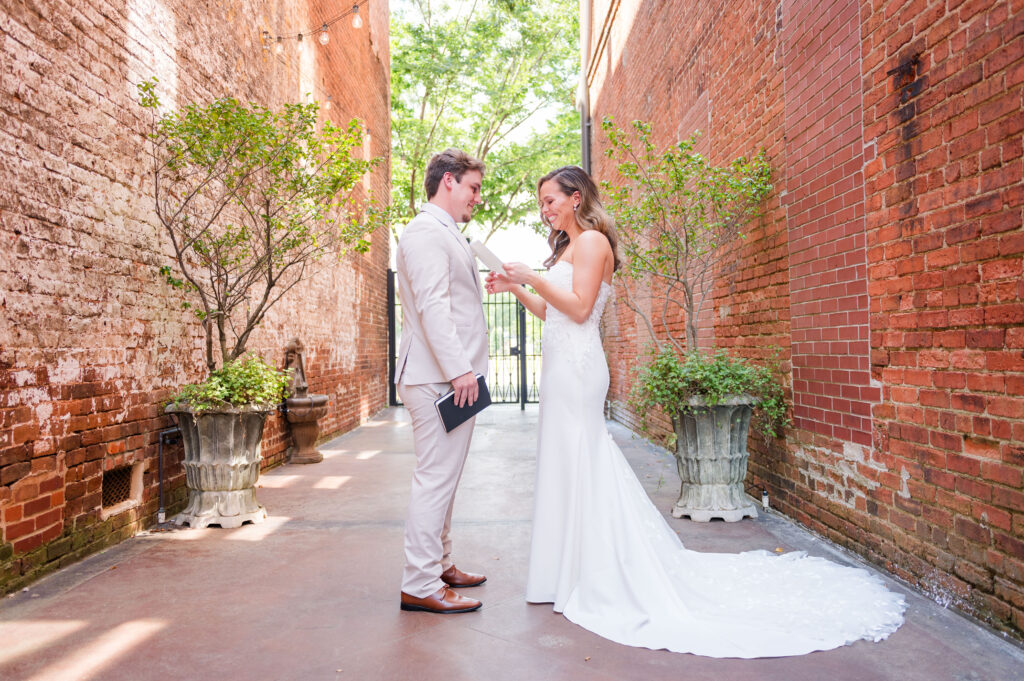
312	593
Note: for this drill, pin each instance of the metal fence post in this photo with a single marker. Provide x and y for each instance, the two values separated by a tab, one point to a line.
392	393
522	356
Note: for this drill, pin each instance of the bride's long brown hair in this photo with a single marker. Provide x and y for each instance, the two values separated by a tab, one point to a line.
590	214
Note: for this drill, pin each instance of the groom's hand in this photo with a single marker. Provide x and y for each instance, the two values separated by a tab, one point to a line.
466	389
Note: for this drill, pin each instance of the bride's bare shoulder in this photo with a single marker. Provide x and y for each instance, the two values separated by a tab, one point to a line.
593	240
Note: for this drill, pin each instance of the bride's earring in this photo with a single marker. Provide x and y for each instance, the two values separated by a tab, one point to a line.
575	207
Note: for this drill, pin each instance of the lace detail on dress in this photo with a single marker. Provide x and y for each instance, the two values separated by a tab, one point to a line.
578	342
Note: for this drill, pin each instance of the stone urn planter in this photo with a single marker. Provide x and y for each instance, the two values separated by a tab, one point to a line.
222	464
303	414
711	456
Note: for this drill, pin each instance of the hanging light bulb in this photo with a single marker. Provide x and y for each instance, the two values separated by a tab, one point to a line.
278	46
357	21
323	35
327	105
266	40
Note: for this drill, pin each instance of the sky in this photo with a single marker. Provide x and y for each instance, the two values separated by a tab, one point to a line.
518	243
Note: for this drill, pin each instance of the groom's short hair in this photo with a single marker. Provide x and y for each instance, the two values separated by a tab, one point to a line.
454	161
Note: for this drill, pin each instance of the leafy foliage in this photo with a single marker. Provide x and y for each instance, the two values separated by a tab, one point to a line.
494	77
675	213
668	383
251	200
241	382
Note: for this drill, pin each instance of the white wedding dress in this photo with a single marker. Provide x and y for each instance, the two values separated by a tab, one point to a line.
604	555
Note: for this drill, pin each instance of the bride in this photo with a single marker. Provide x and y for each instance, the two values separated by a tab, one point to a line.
600	551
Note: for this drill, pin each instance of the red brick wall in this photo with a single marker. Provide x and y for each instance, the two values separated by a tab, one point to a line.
887	268
943	108
824	200
91	338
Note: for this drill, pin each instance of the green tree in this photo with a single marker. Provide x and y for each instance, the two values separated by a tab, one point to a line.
676	215
251	199
494	77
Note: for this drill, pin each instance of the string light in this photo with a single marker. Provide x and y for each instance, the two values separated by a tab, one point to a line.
322	34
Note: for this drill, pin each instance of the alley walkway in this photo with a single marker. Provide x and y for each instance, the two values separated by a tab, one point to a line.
312	593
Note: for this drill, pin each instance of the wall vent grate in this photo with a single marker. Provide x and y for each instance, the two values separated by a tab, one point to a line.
117	486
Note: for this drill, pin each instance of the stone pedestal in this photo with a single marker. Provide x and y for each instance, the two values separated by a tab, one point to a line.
222	464
303	414
302	410
711	456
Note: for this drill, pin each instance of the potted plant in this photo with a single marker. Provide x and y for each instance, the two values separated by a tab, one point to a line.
221	421
252	200
677	214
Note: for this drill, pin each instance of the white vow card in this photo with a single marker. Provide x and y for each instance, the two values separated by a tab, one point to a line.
487	257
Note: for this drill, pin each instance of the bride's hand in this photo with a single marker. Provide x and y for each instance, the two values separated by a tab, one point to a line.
498	283
518	273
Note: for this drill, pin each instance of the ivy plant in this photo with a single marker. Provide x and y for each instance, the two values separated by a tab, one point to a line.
245	381
252	199
669	383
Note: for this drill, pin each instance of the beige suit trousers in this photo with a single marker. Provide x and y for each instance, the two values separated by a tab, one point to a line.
440	457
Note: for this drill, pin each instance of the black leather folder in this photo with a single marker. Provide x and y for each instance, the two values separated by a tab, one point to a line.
452	416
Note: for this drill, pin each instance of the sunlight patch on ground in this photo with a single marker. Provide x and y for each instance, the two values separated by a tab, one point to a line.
180	533
331	452
23	637
278	481
378	423
367	454
90	658
331	481
258	531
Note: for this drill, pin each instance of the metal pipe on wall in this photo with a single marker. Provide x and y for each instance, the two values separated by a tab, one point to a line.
167	436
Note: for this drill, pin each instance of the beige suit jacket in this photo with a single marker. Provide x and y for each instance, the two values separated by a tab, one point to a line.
444	332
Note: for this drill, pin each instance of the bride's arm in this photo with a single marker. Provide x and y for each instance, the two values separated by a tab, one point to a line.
531	301
498	283
589	257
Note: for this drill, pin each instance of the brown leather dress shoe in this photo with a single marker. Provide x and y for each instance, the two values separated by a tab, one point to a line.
455	577
444	601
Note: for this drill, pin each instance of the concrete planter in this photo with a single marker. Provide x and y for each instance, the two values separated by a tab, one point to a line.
711	455
222	464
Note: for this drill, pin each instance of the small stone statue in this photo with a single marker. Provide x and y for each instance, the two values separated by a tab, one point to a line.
294	359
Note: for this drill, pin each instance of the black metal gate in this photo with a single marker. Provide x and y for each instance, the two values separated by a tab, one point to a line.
513	366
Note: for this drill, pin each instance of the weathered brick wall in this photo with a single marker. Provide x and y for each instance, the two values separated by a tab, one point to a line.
943	108
887	268
91	338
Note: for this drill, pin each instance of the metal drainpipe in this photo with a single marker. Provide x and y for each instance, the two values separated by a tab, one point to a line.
583	92
167	436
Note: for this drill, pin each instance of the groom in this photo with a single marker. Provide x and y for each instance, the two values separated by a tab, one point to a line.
444	343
